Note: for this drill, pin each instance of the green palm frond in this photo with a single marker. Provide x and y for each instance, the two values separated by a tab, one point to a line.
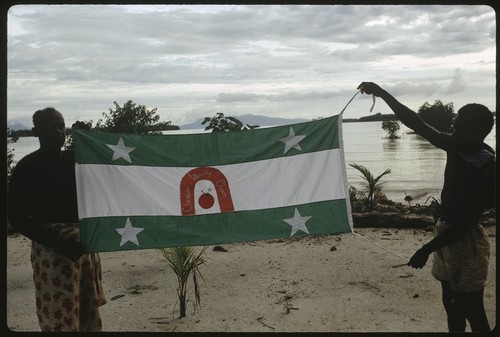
185	261
376	184
373	184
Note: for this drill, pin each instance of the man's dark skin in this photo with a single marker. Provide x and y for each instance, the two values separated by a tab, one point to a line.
43	188
461	206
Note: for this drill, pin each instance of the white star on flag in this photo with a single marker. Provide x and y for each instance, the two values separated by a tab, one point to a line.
298	222
121	151
129	233
292	141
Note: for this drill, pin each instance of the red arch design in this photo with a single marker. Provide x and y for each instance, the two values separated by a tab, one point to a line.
205	173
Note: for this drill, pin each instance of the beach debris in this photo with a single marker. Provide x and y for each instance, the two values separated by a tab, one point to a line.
259	319
333	248
138	288
117	297
406	276
287	306
400	265
408	199
219	249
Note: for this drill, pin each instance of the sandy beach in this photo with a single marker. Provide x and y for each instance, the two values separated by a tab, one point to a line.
343	283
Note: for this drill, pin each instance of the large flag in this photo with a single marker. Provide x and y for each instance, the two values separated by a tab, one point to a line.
156	191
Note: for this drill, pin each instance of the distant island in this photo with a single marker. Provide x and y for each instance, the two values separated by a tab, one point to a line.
262	120
378	117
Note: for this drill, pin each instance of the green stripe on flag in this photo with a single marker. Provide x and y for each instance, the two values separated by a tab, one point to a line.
192	150
146	232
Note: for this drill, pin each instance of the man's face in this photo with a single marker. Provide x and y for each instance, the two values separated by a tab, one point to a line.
51	131
465	131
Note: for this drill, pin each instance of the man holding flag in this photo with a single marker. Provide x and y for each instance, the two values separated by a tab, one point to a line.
461	244
43	207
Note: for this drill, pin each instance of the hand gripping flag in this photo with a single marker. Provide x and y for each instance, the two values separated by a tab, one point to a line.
156	191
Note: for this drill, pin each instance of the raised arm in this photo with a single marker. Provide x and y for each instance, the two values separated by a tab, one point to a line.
408	117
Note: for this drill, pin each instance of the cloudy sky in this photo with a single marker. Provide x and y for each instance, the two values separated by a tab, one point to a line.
280	61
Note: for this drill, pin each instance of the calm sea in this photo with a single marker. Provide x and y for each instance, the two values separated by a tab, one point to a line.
416	166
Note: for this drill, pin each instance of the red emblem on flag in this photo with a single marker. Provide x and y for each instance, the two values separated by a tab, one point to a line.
206	200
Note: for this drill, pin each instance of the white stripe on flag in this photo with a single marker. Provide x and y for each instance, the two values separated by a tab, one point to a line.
109	190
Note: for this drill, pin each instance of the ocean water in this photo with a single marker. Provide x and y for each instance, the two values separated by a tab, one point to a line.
417	167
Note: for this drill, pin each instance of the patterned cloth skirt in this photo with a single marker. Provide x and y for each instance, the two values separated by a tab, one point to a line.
68	294
464	263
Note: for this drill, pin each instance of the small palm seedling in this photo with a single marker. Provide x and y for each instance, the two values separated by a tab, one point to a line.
185	261
373	184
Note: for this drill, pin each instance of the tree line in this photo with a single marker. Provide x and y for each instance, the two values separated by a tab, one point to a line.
129	118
